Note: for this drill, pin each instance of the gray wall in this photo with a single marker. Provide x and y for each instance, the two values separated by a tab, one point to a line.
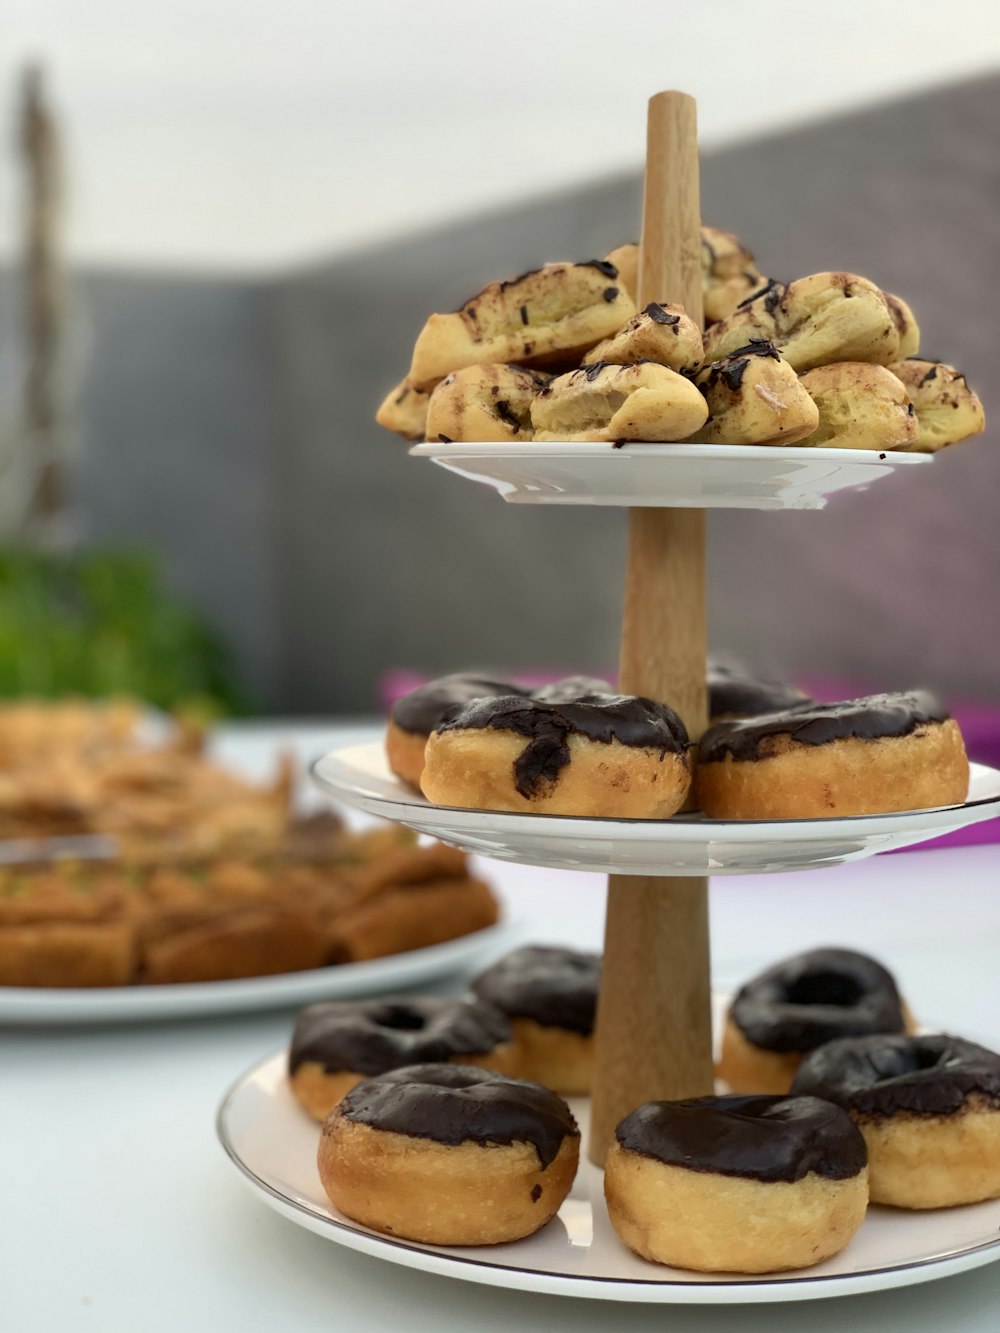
231	425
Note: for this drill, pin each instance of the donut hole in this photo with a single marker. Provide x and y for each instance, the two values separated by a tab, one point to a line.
832	988
403	1020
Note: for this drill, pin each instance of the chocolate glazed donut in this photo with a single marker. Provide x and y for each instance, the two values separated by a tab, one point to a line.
550	997
415	715
449	1155
874	755
737	1184
598	755
928	1107
734	692
340	1042
798	1004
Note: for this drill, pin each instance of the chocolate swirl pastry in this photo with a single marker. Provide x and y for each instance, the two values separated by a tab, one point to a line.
928	1075
554	987
802	1002
760	1138
455	1104
374	1036
734	692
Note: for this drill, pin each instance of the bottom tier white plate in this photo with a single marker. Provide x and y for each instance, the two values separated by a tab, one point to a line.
684	845
273	1143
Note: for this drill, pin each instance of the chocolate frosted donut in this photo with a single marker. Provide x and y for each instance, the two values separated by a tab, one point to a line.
415	716
734	692
737	1184
449	1155
928	1107
550	997
867	756
603	755
797	1005
340	1042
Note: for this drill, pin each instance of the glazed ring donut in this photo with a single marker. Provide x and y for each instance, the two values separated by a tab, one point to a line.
604	756
338	1043
645	401
812	321
734	692
404	410
737	1184
947	409
929	1108
787	1011
549	996
417	714
660	333
754	397
449	1155
484	403
866	757
552	315
860	406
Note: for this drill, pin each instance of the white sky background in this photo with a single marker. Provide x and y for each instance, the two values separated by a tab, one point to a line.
249	134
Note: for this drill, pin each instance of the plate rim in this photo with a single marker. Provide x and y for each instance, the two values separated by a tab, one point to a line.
761	1290
584	449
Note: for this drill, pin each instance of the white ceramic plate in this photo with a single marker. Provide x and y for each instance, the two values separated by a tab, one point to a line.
694	476
127	1004
684	845
273	1143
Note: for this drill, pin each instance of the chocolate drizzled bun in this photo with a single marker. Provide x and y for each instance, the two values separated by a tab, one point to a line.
573	689
931	1074
737	1184
734	692
553	987
928	1107
426	707
454	1104
340	1042
761	1138
884	753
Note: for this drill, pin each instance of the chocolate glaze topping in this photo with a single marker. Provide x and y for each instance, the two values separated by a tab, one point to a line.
814	997
454	1104
772	291
732	367
660	316
572	689
760	1138
548	726
734	692
873	718
884	1075
555	987
425	708
374	1036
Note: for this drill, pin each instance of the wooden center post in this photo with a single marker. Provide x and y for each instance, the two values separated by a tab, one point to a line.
654	1032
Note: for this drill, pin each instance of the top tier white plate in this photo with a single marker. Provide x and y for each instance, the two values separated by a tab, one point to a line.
688	476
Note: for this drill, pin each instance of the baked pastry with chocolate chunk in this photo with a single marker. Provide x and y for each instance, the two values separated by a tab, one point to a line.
754	397
812	321
550	316
907	328
661	333
728	269
947	409
618	403
868	756
489	402
928	1106
404	410
860	406
602	755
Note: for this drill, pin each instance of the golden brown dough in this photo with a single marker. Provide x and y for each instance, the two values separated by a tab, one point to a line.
658	333
813	321
550	316
729	272
404	410
860	406
947	409
907	328
754	397
618	403
488	402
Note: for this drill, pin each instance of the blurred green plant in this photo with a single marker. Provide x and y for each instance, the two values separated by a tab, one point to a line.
103	623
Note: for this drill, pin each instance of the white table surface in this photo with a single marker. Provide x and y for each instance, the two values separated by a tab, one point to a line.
119	1212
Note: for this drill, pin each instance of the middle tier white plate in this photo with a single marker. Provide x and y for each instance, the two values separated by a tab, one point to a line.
692	476
684	845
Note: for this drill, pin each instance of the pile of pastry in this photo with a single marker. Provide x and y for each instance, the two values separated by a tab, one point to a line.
324	895
443	1120
576	748
563	354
